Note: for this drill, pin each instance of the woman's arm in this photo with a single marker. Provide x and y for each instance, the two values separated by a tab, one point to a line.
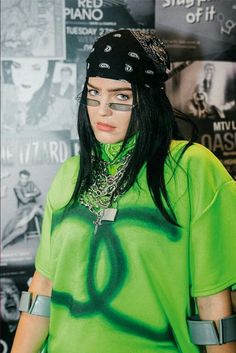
32	330
233	296
215	307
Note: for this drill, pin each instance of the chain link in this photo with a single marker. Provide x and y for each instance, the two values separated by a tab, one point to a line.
103	189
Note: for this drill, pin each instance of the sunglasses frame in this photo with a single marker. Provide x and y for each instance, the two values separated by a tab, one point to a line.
95	103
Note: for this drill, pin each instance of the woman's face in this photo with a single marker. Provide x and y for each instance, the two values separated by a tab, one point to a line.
9	302
109	125
28	75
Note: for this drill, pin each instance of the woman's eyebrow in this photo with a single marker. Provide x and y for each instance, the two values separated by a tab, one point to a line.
112	89
120	89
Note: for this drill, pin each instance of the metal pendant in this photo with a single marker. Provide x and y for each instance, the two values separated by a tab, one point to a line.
109	214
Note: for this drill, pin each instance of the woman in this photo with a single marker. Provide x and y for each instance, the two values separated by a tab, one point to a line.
26	93
134	228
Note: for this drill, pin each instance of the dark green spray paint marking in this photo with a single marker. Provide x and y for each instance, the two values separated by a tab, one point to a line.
99	301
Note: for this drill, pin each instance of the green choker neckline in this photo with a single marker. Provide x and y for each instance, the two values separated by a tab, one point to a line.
110	152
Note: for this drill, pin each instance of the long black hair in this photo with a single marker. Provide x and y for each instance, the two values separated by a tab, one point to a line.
154	122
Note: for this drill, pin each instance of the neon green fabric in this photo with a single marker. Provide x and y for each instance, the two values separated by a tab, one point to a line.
128	288
110	153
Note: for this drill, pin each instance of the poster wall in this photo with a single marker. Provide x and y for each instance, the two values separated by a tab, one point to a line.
44	46
205	92
206	28
202	78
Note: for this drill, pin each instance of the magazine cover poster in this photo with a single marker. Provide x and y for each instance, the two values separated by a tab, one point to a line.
37	94
33	29
29	164
197	29
205	91
11	288
87	20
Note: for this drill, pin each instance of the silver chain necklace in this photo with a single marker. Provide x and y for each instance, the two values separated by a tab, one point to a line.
103	191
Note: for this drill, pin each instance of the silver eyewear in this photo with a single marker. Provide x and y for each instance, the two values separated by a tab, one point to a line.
114	106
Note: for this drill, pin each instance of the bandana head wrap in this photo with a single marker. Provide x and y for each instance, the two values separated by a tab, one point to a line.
130	55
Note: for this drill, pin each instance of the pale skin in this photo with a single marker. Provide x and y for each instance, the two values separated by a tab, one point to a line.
32	330
215	307
109	91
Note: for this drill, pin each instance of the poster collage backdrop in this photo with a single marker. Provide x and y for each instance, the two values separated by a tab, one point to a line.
44	47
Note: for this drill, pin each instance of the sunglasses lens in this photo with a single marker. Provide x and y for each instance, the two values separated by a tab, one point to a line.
95	103
120	107
92	102
114	106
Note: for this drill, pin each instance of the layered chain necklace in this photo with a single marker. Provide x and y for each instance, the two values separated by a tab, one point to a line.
103	191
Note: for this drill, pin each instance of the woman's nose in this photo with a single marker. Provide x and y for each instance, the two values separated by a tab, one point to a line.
103	108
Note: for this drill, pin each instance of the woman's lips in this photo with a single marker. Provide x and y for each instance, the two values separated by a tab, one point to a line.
105	127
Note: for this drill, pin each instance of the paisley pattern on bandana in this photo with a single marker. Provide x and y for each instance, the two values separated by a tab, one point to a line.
131	55
153	46
111	152
106	174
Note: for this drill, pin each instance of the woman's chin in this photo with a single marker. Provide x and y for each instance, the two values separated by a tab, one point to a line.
107	138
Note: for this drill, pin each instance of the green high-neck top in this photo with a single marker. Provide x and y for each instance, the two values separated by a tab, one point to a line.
112	154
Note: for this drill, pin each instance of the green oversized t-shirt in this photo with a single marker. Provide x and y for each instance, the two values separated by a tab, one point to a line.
128	288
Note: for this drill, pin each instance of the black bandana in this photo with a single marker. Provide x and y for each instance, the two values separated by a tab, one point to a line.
130	55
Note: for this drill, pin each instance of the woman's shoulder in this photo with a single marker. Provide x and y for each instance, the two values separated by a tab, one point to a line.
194	149
198	174
197	160
64	182
194	153
69	168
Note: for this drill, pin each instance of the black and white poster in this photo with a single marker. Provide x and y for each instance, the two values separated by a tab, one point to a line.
38	94
206	92
11	287
197	29
29	164
34	29
88	20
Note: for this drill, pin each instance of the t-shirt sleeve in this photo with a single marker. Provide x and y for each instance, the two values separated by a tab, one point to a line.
213	225
42	261
58	196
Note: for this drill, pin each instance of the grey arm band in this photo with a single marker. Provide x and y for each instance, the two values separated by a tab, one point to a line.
40	305
204	332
